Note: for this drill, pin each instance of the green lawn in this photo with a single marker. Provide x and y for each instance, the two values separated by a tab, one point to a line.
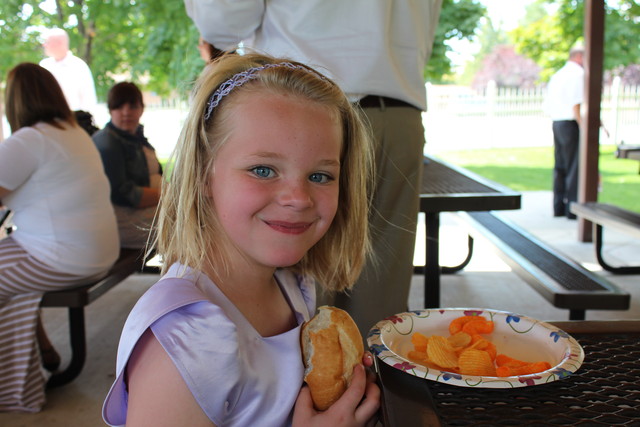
530	169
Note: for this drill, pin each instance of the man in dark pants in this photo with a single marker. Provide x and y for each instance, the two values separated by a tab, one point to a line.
566	141
564	96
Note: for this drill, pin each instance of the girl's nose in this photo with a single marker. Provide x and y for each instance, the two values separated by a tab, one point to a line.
296	194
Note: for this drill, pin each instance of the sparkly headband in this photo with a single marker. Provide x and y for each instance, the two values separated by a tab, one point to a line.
241	78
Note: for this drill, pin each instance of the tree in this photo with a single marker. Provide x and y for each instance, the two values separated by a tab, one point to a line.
18	42
488	39
153	42
459	19
548	39
146	40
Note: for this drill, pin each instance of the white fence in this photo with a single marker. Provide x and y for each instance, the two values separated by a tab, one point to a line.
457	118
461	118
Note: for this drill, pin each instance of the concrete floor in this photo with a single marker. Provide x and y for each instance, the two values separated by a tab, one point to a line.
486	282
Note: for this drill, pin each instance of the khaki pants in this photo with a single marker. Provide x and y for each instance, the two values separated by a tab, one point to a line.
383	287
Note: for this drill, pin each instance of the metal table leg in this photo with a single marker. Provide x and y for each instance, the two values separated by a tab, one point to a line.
432	261
598	246
78	349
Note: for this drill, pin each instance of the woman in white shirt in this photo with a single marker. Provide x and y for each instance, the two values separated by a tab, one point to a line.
51	177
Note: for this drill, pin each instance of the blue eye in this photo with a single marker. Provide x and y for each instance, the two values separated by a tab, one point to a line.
263	171
320	178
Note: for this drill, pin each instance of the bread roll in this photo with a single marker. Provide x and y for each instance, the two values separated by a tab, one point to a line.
331	348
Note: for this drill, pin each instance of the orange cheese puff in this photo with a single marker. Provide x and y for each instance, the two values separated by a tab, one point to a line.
527	369
456	324
476	337
533	368
503	371
510	362
419	342
478	326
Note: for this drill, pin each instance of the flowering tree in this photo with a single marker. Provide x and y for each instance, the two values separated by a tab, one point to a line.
507	69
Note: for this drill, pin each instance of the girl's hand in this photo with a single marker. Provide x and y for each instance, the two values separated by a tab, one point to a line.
356	407
367	359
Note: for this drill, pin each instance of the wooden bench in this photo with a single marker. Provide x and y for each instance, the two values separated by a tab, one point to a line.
560	280
625	151
75	299
604	215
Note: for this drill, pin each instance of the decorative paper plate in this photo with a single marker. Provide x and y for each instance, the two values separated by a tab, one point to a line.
520	337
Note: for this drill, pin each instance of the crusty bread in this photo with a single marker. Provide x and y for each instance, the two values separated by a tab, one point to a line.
331	348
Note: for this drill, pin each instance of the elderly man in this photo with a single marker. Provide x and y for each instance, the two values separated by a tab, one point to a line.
71	72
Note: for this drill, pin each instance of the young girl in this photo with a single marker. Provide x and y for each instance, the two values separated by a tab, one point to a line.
268	194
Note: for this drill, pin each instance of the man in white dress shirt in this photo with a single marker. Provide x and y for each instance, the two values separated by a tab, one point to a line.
565	94
71	72
376	51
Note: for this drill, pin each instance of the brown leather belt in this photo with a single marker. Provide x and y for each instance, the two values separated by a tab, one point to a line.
374	101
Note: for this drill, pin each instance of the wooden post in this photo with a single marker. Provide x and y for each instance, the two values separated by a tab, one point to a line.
590	121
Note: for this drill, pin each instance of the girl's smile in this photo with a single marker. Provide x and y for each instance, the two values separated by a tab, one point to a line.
288	228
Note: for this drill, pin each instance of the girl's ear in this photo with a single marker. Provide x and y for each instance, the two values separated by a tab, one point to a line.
206	185
206	188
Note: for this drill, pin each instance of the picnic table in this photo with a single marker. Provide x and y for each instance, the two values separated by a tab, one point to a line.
625	151
448	188
603	391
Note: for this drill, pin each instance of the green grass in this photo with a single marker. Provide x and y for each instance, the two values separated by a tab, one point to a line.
531	169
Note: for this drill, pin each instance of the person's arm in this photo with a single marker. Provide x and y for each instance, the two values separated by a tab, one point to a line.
87	89
124	191
576	112
150	197
158	396
18	161
3	192
604	128
224	24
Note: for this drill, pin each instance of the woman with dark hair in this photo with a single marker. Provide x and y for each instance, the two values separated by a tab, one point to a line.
52	179
131	165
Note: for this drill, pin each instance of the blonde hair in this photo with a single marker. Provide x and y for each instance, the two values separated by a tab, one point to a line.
189	232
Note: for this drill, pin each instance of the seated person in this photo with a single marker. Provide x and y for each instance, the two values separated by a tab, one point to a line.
131	165
65	233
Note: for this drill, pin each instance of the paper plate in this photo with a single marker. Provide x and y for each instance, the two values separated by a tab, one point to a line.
518	336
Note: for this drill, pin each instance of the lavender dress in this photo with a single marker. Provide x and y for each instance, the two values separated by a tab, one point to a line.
238	377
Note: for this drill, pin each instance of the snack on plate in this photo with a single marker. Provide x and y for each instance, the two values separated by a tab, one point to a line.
331	347
466	351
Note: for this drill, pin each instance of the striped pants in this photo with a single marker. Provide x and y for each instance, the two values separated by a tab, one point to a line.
23	280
